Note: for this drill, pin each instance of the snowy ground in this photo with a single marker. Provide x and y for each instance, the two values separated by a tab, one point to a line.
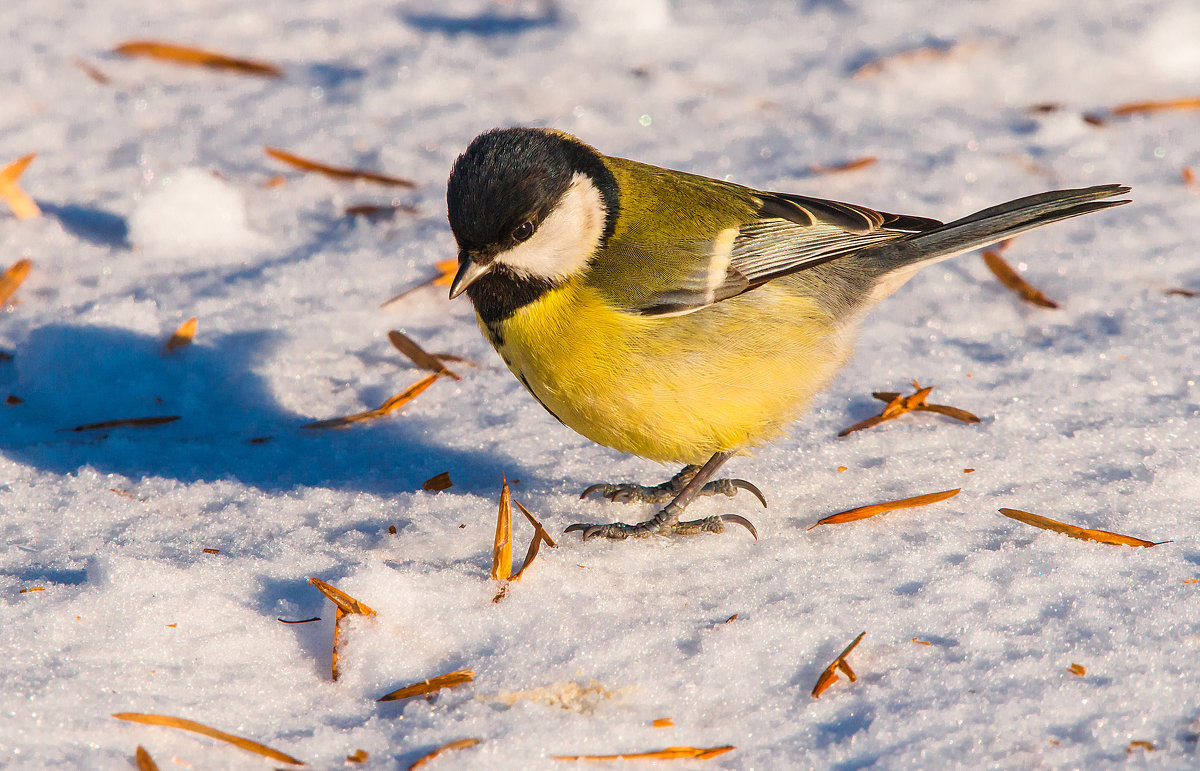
1091	413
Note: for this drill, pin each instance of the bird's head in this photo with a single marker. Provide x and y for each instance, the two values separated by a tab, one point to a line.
529	208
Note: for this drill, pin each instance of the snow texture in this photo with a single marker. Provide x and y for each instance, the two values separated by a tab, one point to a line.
159	205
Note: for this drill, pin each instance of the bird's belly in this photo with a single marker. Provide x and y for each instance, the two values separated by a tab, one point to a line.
681	388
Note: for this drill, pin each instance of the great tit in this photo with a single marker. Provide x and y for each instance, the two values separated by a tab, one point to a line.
677	317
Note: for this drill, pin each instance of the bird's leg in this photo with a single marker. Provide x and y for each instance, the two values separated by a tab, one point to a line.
666	522
669	490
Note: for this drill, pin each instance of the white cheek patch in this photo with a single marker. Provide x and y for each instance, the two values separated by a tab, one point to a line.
566	239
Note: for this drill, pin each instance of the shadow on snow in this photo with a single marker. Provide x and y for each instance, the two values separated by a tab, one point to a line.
69	376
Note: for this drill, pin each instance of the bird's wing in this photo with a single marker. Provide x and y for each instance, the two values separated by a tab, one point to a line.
790	233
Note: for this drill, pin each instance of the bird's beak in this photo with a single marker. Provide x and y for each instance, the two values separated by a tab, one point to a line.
468	272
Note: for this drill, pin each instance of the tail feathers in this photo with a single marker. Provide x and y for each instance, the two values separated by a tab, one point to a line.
993	224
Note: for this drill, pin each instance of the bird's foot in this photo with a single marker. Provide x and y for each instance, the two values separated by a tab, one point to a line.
667	491
620	530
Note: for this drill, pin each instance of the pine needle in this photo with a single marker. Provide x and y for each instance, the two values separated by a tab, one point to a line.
407	346
182	336
336	172
197	57
126	423
213	733
502	545
829	676
391	405
23	207
12	278
863	512
457	744
425	687
144	761
1084	534
1014	281
670	753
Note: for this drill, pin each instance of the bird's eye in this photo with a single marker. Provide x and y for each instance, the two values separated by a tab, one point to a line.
523	232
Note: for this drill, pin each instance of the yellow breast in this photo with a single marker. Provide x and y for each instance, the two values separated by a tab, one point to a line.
678	388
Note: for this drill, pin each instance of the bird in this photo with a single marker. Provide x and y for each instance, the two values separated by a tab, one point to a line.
680	318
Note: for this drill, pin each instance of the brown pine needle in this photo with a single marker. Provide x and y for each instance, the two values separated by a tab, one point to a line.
663	722
445	277
358	756
13	278
1099	536
1189	178
299	621
448	680
144	761
921	642
1140	744
191	725
863	512
335	652
437	483
539	535
542	533
503	544
1181	292
898	405
126	494
1133	108
924	53
197	57
343	601
1013	280
407	346
447	269
457	744
857	163
1077	669
126	423
670	753
91	71
23	207
373	211
346	605
28	589
829	676
337	172
182	337
391	405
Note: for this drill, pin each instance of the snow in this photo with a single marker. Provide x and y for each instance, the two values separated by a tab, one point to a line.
158	208
193	215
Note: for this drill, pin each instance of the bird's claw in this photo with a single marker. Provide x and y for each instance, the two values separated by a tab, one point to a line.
740	520
730	487
620	530
631	493
615	530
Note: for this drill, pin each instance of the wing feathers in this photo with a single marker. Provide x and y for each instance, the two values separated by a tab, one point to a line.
791	233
